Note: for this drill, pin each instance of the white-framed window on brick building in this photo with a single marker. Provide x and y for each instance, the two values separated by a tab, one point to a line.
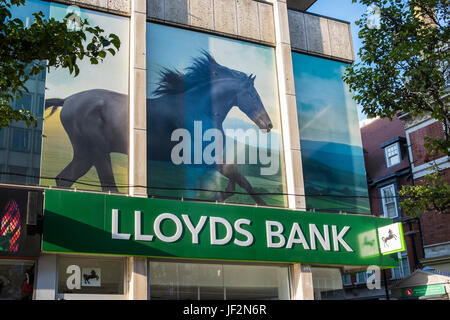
361	277
392	154
346	279
389	201
402	270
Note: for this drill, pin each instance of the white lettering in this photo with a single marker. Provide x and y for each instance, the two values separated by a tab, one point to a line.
115	227
194	230
157	227
138	228
74	280
183	147
212	224
237	227
216	146
338	238
315	233
270	234
296	230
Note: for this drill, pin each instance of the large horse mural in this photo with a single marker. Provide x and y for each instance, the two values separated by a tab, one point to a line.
96	120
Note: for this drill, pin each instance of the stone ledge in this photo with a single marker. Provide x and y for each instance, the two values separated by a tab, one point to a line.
119	7
212	32
238	19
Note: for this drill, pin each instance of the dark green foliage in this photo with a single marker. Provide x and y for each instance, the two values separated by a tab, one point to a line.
23	49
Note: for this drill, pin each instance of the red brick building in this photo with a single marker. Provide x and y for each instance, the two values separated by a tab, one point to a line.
435	226
395	155
388	169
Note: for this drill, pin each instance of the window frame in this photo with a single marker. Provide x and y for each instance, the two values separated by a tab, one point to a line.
85	296
221	263
11	137
347	279
403	258
358	274
383	200
386	157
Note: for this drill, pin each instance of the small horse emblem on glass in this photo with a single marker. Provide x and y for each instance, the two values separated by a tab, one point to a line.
91	277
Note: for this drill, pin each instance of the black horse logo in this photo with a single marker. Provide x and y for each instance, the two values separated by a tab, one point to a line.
88	277
96	121
390	236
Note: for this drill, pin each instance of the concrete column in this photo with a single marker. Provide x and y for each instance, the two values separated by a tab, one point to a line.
138	103
137	270
301	282
301	276
288	105
46	278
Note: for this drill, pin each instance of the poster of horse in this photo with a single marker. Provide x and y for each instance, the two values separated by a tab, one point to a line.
213	119
332	154
85	138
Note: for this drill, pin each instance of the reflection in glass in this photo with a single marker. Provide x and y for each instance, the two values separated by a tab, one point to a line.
199	281
12	278
19	156
108	276
327	283
330	139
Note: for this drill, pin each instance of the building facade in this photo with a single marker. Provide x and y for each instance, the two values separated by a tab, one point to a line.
388	169
217	155
435	225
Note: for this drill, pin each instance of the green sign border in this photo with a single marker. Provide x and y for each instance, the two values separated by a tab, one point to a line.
81	222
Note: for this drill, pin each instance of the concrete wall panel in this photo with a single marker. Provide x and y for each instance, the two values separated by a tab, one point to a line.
320	35
340	38
247	18
238	18
297	30
266	24
155	9
201	13
225	16
119	6
177	11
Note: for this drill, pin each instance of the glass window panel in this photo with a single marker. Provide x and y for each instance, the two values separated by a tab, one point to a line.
389	194
170	280
256	282
391	210
12	277
327	283
396	273
20	139
40	105
405	266
97	275
3	138
24	102
37	141
392	155
18	175
346	279
164	281
389	201
361	277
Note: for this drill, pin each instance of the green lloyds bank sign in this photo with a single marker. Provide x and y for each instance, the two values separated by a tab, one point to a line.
78	222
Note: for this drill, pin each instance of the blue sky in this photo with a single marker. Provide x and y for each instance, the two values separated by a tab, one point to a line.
347	11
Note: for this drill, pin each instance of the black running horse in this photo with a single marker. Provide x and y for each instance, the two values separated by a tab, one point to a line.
97	120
